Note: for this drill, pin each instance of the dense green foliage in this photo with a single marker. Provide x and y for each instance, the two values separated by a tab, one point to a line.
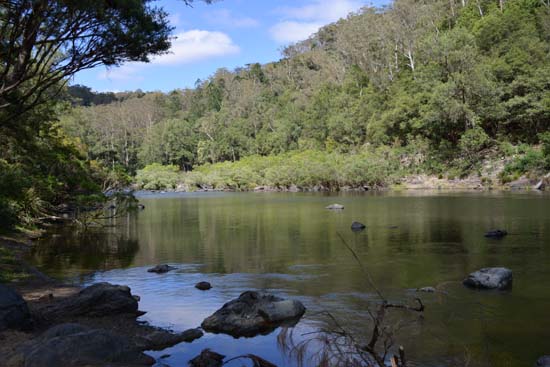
302	170
439	82
42	44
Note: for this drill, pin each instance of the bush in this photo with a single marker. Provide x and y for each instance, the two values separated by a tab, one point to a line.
158	177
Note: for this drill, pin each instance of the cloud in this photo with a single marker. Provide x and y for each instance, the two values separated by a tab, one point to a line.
292	31
226	18
188	47
300	22
196	45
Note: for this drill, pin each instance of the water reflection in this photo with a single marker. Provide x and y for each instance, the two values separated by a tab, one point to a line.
289	243
73	251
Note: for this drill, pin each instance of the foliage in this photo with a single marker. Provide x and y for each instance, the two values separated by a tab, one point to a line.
459	78
305	170
157	177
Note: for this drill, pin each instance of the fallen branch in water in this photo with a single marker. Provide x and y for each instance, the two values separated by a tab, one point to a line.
337	346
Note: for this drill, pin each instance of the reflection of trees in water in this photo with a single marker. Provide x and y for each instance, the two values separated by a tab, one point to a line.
80	251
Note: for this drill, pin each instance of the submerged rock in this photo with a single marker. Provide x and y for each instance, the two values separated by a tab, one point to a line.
14	313
253	313
497	233
356	226
490	278
426	289
335	207
77	345
160	269
100	299
543	361
162	339
203	286
207	358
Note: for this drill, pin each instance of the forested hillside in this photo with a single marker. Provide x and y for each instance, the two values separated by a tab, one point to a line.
430	85
427	86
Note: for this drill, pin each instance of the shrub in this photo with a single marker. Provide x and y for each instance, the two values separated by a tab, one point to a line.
158	177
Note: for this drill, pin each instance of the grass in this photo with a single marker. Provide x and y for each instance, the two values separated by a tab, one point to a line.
11	269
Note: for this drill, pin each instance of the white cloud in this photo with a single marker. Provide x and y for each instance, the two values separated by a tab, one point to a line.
292	31
196	45
188	47
224	17
302	21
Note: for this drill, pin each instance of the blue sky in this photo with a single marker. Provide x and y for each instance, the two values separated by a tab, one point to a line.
228	33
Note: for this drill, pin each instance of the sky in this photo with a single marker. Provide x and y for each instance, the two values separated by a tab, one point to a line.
227	33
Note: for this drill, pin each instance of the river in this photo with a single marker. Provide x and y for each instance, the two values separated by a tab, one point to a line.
288	244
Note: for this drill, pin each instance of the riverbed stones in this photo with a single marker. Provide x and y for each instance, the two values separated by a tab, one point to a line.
207	358
497	233
161	269
357	226
543	361
490	278
335	207
161	339
14	313
100	299
77	345
203	286
253	313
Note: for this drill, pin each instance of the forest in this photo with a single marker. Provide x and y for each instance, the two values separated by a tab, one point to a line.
429	86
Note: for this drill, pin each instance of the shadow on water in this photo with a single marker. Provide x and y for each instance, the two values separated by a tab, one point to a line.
72	252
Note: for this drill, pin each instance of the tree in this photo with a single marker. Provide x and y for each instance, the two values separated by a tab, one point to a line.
43	42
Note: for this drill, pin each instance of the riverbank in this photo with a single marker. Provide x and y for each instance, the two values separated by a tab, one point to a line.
43	310
409	183
319	171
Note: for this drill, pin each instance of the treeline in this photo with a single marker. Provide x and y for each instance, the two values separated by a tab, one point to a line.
447	81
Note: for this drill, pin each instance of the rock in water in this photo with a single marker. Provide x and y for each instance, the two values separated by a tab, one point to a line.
162	339
14	313
543	361
253	313
335	207
490	278
426	289
77	345
203	286
356	226
497	233
160	269
100	299
207	358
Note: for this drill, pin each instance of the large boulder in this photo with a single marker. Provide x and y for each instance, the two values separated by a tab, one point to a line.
490	278
253	313
543	361
100	299
14	313
161	269
77	345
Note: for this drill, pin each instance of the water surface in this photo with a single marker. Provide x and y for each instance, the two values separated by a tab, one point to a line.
289	244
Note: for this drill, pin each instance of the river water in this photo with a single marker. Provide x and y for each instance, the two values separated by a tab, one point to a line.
290	245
